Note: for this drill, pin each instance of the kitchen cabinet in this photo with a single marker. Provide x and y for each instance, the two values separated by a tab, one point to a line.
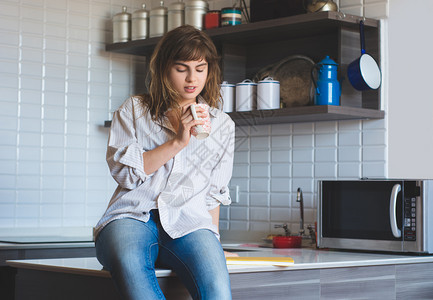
245	49
316	274
410	281
35	251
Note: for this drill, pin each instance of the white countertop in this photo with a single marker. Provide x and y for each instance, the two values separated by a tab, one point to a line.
44	238
48	245
304	259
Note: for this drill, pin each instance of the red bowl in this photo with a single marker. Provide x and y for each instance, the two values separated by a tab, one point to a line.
287	241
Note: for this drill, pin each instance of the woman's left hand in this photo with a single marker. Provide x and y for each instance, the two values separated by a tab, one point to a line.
230	254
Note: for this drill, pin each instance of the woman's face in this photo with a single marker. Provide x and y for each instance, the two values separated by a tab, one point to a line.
188	79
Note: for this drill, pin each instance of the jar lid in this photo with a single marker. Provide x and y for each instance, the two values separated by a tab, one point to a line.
141	13
161	10
226	84
197	3
269	80
176	6
122	16
231	10
246	82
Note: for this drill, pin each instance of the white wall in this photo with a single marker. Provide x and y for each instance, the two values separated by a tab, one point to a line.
410	105
272	161
58	85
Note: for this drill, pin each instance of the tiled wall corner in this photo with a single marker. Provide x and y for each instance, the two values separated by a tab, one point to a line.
353	7
377	9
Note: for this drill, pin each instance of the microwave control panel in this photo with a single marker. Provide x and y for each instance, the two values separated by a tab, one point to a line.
410	219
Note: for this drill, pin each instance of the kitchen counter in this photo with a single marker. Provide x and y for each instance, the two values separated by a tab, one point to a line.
43	245
46	247
316	274
42	238
304	259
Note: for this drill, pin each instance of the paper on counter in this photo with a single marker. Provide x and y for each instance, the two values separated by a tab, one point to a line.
260	261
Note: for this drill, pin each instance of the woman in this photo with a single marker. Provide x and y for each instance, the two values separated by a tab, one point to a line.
170	185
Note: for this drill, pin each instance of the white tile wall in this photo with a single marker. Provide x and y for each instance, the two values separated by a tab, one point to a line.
58	85
298	156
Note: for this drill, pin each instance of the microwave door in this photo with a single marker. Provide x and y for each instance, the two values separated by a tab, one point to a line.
357	214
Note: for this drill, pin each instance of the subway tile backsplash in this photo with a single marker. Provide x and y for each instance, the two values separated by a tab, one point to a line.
298	156
58	86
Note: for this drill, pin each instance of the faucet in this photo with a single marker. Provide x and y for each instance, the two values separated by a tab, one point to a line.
285	227
300	199
312	234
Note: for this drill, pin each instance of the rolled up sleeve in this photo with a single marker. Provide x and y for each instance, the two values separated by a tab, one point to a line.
222	172
124	154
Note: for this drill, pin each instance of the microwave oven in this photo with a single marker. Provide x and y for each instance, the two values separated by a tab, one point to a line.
377	215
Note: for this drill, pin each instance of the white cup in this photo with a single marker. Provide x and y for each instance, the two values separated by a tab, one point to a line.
246	94
201	131
228	96
268	94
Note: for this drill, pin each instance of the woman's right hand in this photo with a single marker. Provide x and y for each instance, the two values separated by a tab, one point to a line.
155	158
186	122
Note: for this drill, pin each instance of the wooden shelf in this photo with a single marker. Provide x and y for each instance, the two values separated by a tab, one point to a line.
301	114
304	114
260	32
247	48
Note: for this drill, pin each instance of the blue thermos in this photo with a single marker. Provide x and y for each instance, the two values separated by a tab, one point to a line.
327	86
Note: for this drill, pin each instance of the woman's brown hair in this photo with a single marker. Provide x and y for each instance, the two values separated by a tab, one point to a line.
184	43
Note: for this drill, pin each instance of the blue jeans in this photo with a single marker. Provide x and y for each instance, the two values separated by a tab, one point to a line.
129	249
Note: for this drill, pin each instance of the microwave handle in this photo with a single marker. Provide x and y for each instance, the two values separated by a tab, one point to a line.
392	210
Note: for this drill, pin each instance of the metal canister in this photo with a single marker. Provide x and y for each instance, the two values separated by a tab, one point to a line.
176	15
228	96
231	16
268	94
195	10
158	21
140	24
212	19
246	95
122	26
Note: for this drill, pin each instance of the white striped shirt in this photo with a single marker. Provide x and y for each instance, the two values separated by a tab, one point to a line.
185	188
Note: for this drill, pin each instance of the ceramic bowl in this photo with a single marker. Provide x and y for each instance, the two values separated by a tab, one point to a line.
287	241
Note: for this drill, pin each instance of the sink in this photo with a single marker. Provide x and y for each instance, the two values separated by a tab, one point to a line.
261	247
